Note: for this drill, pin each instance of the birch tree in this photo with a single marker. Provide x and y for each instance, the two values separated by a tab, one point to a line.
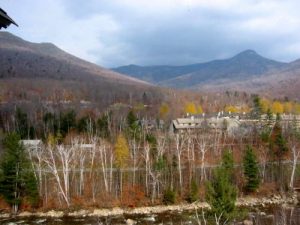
294	145
202	144
58	158
180	140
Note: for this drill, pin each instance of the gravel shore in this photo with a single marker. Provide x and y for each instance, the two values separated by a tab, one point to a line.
241	202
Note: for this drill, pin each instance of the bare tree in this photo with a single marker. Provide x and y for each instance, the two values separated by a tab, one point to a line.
263	158
146	156
201	140
35	154
295	156
180	140
105	157
53	154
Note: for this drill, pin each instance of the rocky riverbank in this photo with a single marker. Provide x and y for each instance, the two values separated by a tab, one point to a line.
241	202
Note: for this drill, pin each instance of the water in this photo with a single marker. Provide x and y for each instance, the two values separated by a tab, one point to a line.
267	216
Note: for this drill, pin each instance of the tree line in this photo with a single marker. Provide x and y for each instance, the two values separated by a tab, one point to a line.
119	161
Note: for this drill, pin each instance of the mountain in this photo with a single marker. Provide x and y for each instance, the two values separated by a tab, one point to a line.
280	83
43	72
20	58
244	65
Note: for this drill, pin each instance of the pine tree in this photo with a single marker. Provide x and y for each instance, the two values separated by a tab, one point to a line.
17	179
21	124
133	125
194	192
228	163
278	145
220	193
257	110
251	170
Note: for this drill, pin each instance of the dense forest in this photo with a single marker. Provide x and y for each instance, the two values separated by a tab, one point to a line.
127	156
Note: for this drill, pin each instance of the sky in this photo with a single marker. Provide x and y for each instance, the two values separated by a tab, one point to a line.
112	33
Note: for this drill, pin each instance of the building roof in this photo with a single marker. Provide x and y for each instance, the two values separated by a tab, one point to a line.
186	123
5	20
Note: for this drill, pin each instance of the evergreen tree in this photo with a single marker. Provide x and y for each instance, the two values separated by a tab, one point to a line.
67	122
257	110
277	142
132	120
133	125
220	193
251	170
17	180
21	124
85	124
228	163
194	192
103	125
278	146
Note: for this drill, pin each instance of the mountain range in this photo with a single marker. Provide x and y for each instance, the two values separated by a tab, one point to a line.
247	71
44	69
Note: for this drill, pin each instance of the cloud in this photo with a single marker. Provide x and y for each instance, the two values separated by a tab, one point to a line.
119	32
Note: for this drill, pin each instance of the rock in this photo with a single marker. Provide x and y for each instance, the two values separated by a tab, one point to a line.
150	218
52	213
130	222
263	214
247	222
4	215
80	213
40	221
25	214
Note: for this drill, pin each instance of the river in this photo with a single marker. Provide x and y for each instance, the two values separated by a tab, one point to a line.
265	216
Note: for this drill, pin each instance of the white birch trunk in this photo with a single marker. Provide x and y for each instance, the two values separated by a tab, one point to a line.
295	156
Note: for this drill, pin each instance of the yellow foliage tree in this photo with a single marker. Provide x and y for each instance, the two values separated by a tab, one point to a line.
164	110
51	140
121	152
232	109
199	109
265	105
277	107
245	109
190	108
288	107
296	108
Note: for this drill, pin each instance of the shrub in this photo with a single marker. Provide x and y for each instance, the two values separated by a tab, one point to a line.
194	192
169	197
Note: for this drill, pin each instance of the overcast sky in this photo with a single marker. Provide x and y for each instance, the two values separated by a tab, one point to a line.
149	32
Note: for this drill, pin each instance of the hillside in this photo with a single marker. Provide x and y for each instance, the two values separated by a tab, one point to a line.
281	83
19	58
42	71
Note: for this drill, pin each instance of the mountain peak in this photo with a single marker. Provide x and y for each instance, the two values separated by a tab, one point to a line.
247	53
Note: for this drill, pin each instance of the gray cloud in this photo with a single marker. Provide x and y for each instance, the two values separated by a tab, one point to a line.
175	32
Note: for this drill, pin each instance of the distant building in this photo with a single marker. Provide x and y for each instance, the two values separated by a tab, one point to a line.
31	144
232	123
